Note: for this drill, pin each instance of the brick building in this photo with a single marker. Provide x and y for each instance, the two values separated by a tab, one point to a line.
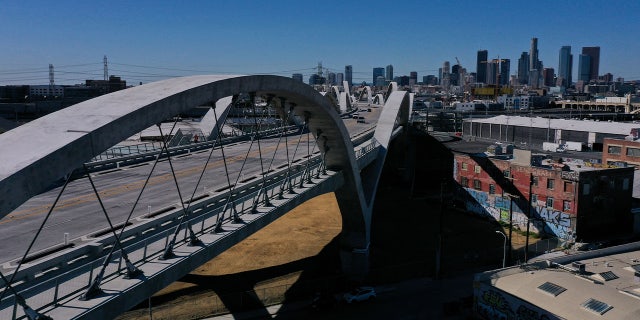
619	152
570	200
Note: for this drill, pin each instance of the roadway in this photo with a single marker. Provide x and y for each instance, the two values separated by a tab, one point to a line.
79	214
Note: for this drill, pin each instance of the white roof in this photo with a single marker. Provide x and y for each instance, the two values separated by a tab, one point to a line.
621	128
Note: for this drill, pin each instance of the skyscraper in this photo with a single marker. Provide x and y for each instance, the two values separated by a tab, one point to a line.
594	61
523	68
534	64
565	66
377	72
505	69
389	76
584	68
481	66
493	68
413	78
548	75
348	74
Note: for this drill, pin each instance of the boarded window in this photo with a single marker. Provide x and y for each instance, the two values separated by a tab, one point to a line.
614	149
568	186
633	152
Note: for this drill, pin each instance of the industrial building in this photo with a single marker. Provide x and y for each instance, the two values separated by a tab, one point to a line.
532	132
572	199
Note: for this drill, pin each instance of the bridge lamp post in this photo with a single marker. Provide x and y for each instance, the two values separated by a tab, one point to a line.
504	248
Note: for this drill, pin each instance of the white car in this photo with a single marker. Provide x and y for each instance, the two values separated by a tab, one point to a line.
360	294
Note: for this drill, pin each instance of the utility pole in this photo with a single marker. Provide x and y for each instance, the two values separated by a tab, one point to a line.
529	205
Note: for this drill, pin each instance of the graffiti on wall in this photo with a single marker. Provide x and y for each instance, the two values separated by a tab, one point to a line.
548	220
492	304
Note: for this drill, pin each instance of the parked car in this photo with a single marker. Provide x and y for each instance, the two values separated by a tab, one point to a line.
360	294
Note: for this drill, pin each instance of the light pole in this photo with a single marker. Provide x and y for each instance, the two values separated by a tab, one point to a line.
504	248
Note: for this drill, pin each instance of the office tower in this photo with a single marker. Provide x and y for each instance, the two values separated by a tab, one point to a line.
376	73
594	61
456	69
534	64
297	76
548	75
481	66
348	74
492	71
389	77
339	78
505	69
380	81
584	68
446	74
565	66
331	78
523	68
413	78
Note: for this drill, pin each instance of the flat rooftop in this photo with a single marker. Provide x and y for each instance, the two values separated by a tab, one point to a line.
611	281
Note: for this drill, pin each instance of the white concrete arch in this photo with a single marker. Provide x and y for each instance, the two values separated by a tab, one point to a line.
393	87
46	150
368	92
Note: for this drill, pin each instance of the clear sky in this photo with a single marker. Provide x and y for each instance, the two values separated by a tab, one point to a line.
148	40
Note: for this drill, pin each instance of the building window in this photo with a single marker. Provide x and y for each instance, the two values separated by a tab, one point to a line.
566	205
464	166
625	184
534	199
492	189
464	181
476	169
550	202
550	183
568	186
586	189
614	149
633	152
535	181
477	184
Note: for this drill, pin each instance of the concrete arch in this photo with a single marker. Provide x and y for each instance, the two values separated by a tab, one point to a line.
393	87
368	92
355	241
48	149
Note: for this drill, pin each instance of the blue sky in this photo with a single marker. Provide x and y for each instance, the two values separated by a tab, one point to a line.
149	40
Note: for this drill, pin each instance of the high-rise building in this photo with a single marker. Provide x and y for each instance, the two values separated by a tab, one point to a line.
413	78
481	66
594	61
339	78
380	81
348	74
548	75
331	78
297	76
534	64
389	76
584	68
493	68
565	66
376	73
523	68
505	69
446	74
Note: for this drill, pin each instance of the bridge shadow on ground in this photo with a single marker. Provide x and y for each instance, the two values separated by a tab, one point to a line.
408	217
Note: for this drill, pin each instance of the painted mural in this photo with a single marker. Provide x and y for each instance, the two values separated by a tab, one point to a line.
491	304
549	221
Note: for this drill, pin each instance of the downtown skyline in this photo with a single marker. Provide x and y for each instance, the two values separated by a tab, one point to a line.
148	41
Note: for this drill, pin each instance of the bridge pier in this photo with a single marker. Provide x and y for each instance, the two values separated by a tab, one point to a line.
355	263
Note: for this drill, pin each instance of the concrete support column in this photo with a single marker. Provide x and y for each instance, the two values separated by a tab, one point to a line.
355	263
